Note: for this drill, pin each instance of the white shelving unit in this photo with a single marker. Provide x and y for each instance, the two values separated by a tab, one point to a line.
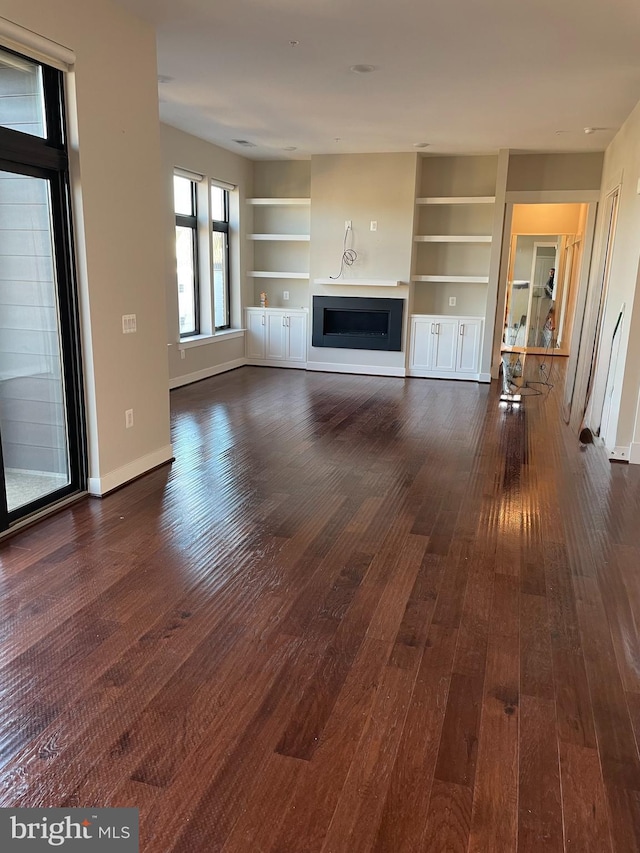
278	260
451	260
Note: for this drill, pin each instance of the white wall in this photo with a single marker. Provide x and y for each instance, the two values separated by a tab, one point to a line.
119	223
184	151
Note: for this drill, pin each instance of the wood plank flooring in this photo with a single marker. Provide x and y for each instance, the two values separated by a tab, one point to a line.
356	614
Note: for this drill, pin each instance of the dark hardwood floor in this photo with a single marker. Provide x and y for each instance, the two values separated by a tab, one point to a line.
356	614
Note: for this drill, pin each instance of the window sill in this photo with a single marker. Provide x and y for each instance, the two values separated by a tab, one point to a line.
202	340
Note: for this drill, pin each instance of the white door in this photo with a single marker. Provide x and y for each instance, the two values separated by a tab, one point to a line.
297	332
443	343
256	334
469	336
276	336
421	342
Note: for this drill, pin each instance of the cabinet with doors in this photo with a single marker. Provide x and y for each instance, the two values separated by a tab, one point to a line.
276	337
445	347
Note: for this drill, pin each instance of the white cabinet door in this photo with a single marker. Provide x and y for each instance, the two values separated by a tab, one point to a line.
469	335
444	343
256	334
297	334
277	334
421	330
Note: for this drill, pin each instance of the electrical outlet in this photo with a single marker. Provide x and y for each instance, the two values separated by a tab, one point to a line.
128	418
285	295
452	302
374	225
347	223
129	324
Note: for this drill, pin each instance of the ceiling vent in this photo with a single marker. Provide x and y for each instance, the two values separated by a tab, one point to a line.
245	143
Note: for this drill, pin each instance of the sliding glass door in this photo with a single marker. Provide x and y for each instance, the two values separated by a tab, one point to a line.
41	434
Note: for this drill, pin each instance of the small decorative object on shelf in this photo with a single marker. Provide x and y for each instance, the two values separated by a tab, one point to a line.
264	301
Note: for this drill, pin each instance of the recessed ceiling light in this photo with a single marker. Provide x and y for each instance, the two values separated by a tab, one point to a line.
164	78
420	144
290	148
362	69
245	142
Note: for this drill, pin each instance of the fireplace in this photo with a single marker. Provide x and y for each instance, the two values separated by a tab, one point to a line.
354	322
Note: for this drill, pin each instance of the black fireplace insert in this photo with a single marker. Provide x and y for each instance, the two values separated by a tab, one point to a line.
355	322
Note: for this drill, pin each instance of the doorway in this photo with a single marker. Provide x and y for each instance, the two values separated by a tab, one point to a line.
543	270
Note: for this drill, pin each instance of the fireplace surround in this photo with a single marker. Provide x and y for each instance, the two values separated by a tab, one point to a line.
354	322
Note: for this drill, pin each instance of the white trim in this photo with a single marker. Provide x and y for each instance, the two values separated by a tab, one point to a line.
360	369
634	453
353	282
551	196
625	454
103	485
36	46
452	238
457	199
275	362
275	274
453	375
463	279
202	340
285	237
280	201
197	375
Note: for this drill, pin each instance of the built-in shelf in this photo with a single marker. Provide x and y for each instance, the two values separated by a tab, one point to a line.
280	201
273	274
283	237
364	282
468	279
457	199
452	238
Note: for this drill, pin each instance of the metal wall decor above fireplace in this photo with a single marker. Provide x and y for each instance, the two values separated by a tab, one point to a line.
354	322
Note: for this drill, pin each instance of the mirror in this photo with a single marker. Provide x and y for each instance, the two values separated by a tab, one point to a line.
532	292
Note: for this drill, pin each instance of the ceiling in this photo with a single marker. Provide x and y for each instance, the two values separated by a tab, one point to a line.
461	75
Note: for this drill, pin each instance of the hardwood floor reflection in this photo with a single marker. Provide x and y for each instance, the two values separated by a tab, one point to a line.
356	614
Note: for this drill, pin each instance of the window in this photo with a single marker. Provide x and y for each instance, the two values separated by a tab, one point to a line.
220	254
186	211
42	447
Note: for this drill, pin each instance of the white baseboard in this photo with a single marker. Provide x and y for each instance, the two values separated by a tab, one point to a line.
103	485
196	376
361	369
634	453
274	362
484	377
448	374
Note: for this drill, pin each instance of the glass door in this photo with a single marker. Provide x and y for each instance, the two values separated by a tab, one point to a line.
41	412
33	424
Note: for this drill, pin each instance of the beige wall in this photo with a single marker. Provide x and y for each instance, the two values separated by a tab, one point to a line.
361	188
547	218
116	162
544	172
622	168
184	151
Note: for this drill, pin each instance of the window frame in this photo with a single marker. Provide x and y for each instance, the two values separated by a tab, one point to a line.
221	227
183	220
